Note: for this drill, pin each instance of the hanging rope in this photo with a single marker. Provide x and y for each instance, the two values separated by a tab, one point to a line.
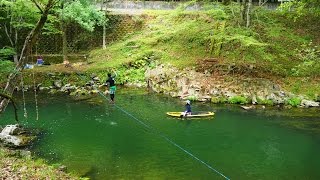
35	96
155	131
35	88
25	114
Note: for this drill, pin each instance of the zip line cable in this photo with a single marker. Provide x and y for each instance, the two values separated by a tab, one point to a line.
155	131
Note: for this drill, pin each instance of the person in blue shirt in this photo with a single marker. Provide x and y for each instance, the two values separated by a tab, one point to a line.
39	61
112	87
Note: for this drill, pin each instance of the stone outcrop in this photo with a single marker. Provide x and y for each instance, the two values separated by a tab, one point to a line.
189	84
308	103
193	85
16	136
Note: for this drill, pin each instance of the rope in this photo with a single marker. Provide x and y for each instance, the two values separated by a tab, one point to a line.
35	96
25	114
152	129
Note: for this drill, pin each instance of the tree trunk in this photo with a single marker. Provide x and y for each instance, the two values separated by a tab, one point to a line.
64	41
249	13
64	36
13	104
104	46
243	6
15	58
29	41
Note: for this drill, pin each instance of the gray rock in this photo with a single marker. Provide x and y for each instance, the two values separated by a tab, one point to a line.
275	99
96	79
67	88
281	93
254	99
309	103
11	135
57	83
43	88
63	168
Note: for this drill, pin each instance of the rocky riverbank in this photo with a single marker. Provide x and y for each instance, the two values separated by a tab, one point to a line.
189	84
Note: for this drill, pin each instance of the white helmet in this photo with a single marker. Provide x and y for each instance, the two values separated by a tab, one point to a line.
188	101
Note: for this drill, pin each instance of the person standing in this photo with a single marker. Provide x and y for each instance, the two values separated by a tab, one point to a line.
112	87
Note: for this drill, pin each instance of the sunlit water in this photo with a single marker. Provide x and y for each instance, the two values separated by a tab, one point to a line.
96	139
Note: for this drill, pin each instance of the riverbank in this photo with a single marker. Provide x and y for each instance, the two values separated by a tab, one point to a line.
19	164
188	83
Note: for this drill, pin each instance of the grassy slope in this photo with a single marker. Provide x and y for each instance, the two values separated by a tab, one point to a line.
185	38
13	167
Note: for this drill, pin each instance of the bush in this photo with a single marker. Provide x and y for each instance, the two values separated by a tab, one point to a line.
264	101
295	101
218	100
310	57
6	67
6	53
238	100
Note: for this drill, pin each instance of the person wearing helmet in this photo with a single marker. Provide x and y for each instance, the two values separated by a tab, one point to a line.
188	108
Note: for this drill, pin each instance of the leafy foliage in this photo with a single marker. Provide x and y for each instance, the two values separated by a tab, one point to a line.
294	101
83	14
21	13
293	9
6	52
309	56
6	68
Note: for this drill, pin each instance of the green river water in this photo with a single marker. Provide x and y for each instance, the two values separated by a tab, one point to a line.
96	139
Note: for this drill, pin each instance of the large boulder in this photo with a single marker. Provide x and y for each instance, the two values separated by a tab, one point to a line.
15	136
309	103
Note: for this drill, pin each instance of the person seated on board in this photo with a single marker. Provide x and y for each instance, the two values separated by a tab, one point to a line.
188	109
39	61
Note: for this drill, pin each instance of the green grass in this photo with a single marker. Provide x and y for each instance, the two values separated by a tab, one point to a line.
183	37
14	165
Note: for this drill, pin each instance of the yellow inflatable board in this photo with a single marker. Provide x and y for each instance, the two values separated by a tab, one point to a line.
193	114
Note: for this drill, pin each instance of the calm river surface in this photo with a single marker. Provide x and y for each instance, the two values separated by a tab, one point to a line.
96	139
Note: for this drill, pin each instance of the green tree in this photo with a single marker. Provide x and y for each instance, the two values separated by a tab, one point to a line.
33	14
16	15
80	12
28	43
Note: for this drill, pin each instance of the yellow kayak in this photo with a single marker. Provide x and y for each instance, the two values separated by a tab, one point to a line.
193	114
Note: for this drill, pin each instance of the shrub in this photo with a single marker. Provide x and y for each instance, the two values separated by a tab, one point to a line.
218	100
295	101
265	101
238	100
